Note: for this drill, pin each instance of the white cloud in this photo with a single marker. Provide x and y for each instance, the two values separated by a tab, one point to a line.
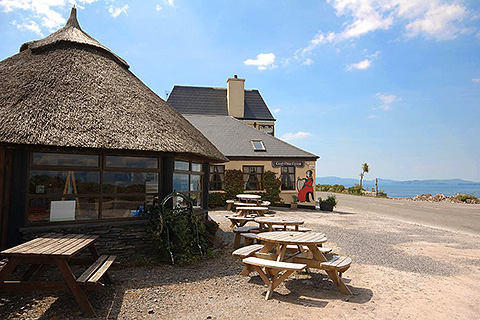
115	12
476	80
439	22
158	7
263	61
29	26
437	19
41	13
295	136
277	110
372	116
362	65
307	62
387	100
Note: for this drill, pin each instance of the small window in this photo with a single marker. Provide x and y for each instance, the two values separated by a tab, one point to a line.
288	178
252	177
217	177
258	145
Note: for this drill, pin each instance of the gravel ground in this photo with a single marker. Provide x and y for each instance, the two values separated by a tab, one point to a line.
400	270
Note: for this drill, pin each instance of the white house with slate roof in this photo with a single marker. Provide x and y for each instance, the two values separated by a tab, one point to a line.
245	135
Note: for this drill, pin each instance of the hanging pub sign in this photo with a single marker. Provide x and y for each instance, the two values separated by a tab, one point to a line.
297	164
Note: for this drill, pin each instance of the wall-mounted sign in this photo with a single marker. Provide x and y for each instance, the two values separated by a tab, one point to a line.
297	164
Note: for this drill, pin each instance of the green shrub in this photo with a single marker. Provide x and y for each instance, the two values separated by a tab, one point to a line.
216	199
332	200
356	189
233	183
294	198
464	197
175	232
272	185
338	188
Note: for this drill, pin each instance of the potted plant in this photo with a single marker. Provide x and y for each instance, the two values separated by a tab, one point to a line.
294	203
327	204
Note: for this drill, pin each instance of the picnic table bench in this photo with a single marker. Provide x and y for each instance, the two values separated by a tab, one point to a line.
59	250
249	210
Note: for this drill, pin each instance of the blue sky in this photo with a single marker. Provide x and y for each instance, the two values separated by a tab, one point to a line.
394	83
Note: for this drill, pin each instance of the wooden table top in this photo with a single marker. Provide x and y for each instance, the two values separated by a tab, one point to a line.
253	208
248	196
296	238
53	244
286	221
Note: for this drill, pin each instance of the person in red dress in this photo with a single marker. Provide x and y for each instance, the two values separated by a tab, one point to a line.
307	189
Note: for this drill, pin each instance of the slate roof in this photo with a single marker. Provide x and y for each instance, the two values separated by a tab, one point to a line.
213	101
233	138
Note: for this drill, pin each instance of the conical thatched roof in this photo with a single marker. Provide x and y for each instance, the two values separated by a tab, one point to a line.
68	90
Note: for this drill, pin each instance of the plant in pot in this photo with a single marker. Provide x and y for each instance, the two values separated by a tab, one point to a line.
294	203
327	204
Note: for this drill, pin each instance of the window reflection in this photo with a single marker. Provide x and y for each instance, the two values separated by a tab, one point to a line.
65	160
63	182
131	162
130	182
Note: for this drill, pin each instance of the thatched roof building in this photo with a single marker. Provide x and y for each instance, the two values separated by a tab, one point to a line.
68	90
83	140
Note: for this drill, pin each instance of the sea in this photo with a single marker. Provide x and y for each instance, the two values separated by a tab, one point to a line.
402	190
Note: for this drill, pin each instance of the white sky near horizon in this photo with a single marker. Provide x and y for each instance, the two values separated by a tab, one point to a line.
394	83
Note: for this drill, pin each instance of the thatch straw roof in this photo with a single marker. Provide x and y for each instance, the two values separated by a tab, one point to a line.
68	90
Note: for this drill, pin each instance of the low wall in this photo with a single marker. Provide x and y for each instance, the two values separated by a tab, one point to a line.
126	239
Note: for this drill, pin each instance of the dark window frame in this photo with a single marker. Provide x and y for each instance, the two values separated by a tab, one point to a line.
293	187
221	182
191	172
101	169
247	176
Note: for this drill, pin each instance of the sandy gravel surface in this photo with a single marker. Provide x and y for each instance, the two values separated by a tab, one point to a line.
400	270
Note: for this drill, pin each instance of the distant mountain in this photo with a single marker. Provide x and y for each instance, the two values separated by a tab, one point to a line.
347	182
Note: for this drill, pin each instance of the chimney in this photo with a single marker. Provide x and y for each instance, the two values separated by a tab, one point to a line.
235	97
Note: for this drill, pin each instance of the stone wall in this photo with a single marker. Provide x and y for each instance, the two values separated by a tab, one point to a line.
126	239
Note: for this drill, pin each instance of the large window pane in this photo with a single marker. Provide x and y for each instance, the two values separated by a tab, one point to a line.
195	182
64	209
131	162
130	182
63	182
182	165
180	182
125	206
197	167
65	160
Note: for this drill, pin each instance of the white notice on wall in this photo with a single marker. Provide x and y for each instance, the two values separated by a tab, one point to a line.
62	210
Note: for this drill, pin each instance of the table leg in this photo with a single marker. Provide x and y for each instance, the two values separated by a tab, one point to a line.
267	247
317	255
281	253
72	284
8	268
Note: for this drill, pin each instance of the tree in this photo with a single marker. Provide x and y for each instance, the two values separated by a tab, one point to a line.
365	169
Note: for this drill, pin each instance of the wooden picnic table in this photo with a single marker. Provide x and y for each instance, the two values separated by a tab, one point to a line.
249	198
244	211
57	249
278	245
278	221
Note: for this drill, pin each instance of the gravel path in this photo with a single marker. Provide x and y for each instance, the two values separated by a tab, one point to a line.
400	270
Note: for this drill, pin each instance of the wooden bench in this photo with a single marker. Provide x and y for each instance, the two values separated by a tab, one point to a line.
91	277
250	238
230	204
294	248
290	228
238	231
272	269
334	268
239	221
